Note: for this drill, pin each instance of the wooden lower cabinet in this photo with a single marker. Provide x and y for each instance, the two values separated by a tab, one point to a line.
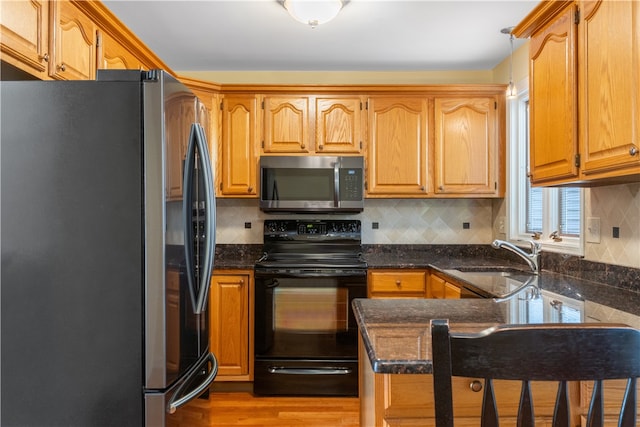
397	284
231	324
440	288
394	400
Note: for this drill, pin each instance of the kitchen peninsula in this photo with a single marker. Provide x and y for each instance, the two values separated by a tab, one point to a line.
395	344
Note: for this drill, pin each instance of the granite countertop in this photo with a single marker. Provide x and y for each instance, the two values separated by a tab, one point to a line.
396	331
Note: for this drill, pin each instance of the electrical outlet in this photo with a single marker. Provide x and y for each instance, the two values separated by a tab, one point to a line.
593	230
501	224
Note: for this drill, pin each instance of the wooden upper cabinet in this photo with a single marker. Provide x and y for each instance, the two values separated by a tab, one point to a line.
24	35
112	55
553	101
585	92
609	90
286	124
338	126
397	156
466	149
75	44
238	161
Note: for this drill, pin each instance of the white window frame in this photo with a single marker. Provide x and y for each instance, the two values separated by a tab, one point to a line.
518	170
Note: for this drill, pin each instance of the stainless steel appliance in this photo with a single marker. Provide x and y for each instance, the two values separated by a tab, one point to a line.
311	184
107	250
306	337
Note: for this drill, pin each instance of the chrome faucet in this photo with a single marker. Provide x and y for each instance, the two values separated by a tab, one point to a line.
532	258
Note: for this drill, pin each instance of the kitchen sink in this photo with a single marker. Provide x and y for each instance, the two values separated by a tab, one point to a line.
493	271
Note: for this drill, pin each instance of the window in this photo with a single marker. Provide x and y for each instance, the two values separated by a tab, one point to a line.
552	214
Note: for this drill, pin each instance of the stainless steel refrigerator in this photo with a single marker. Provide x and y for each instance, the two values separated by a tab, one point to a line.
108	238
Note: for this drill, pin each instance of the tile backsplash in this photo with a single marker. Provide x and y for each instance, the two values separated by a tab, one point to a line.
442	221
616	206
399	221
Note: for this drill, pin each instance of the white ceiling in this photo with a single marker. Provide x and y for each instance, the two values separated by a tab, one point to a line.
367	35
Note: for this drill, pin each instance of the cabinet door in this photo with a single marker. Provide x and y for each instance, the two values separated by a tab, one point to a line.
75	44
397	151
114	56
609	92
286	124
24	35
338	125
239	162
229	323
553	108
466	146
177	134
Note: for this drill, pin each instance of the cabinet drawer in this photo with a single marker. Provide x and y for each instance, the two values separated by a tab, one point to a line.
397	282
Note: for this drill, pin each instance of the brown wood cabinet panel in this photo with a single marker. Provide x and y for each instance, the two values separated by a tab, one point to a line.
397	284
398	403
553	102
466	148
398	152
229	325
609	93
24	35
286	124
74	44
239	162
338	125
112	55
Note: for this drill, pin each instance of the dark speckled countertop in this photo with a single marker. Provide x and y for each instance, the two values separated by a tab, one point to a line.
396	331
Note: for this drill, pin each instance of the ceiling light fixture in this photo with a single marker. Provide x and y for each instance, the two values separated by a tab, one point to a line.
313	12
511	88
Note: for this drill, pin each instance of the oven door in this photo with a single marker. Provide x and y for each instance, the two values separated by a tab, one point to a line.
306	336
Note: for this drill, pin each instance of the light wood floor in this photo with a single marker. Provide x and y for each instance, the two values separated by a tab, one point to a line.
243	409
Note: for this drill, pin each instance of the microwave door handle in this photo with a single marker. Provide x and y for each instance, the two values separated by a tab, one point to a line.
179	400
210	227
336	184
187	215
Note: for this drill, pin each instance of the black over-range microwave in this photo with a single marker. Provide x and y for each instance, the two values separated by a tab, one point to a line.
309	184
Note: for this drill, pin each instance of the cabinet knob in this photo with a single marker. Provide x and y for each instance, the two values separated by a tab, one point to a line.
441	188
398	283
241	282
45	57
475	386
320	147
62	67
633	150
302	146
250	189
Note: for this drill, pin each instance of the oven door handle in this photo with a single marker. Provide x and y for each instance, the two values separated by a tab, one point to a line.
273	284
310	371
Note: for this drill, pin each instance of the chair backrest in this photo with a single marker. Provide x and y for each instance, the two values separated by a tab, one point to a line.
545	352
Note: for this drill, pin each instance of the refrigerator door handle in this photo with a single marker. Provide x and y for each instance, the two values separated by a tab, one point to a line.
198	140
210	228
187	214
179	399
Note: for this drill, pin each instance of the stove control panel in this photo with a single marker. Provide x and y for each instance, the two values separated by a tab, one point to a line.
288	228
